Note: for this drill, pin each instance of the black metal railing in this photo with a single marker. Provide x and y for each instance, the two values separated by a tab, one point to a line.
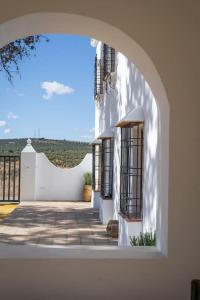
108	59
107	168
98	78
96	167
131	178
9	178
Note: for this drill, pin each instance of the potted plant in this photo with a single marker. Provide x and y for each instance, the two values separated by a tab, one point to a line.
87	188
113	228
144	239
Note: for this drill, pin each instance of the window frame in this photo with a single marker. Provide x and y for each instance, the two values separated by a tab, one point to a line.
107	168
108	60
98	78
131	171
96	167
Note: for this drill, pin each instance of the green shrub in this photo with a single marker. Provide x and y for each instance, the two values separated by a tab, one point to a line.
144	239
88	178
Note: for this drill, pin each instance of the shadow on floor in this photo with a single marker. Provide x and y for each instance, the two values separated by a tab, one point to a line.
54	223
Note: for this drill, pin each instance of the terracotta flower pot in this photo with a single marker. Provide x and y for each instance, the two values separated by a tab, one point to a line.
113	228
87	193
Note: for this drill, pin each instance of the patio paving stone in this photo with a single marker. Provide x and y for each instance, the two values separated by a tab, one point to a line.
54	223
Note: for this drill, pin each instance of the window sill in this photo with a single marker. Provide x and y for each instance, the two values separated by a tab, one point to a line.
130	219
78	252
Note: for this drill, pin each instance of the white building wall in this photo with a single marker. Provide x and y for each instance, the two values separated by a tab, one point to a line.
131	91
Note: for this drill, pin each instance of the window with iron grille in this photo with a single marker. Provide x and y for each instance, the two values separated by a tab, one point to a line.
96	167
108	60
107	168
98	78
131	179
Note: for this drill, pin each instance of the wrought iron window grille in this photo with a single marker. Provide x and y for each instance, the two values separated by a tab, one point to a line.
109	68
107	168
131	173
98	79
96	167
108	60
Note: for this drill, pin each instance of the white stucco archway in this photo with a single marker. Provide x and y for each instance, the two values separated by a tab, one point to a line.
44	23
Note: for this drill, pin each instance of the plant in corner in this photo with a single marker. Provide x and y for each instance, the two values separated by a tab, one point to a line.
144	239
113	228
87	188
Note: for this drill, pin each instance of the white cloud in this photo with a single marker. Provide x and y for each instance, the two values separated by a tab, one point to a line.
92	130
2	123
7	130
11	115
55	87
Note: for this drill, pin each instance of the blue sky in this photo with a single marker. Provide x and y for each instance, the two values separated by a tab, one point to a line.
54	94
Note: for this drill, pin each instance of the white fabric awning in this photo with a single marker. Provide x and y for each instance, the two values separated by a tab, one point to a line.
108	133
135	115
96	142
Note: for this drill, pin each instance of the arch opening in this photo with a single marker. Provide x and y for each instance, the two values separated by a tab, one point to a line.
75	24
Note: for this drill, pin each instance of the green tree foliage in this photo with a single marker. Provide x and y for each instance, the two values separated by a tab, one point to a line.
62	153
13	53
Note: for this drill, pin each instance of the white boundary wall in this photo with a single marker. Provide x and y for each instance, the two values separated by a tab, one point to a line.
41	180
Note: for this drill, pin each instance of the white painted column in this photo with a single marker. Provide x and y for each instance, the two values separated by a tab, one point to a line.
28	173
105	210
95	201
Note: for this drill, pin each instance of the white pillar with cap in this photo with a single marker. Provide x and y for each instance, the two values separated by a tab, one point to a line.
28	172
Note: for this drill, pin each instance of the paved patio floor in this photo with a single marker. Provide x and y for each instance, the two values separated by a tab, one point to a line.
54	223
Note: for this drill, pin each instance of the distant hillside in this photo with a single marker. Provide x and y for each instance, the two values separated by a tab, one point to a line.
62	153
